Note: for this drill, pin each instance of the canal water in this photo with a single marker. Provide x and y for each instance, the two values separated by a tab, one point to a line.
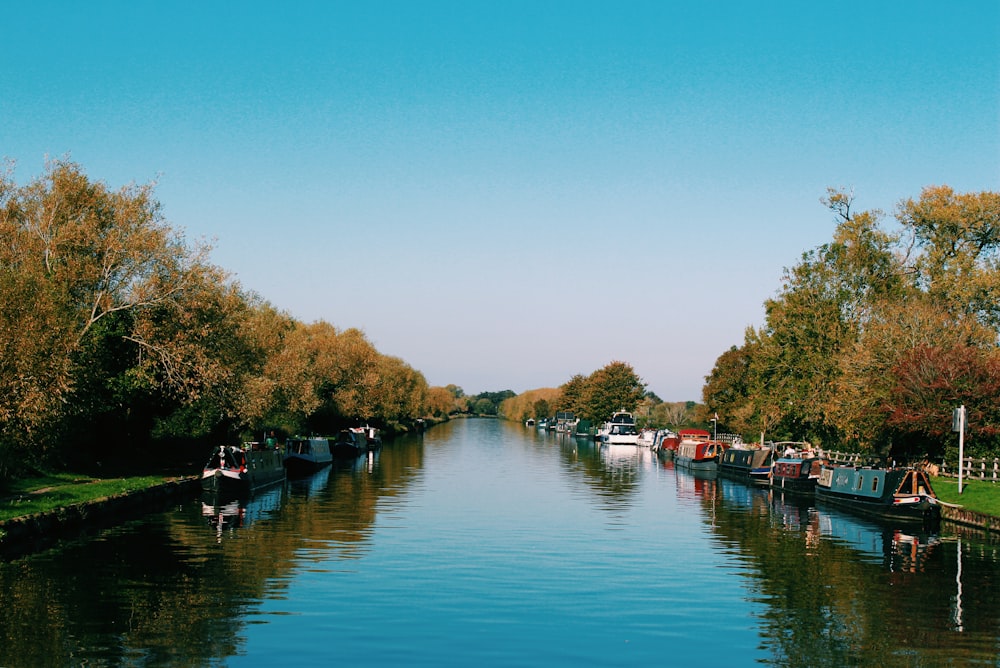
486	543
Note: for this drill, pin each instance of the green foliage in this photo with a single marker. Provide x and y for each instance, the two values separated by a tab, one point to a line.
489	403
597	396
484	407
876	335
115	332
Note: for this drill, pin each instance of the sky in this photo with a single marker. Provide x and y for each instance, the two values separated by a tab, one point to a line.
506	194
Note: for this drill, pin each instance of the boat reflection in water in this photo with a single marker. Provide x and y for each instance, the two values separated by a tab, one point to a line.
227	513
625	457
310	486
697	484
899	548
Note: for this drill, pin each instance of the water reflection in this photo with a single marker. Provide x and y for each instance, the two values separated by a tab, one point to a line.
225	513
490	544
894	548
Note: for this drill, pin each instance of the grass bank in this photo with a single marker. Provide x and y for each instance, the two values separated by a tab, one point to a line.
49	492
977	495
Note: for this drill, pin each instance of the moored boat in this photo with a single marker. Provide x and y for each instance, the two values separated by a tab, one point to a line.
647	438
372	436
900	494
233	469
307	455
699	455
620	430
565	422
353	441
667	448
796	469
747	462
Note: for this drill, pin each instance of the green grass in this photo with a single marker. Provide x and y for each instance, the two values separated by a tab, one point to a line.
49	492
977	495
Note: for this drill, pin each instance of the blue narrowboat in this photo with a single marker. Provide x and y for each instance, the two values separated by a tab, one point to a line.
900	494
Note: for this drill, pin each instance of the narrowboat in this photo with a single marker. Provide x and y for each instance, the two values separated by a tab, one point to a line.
796	469
747	462
371	435
352	442
899	494
699	455
241	469
667	447
307	455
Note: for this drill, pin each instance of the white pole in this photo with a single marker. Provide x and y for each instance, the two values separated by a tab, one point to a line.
961	444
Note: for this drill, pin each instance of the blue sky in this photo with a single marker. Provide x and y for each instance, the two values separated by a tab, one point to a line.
505	194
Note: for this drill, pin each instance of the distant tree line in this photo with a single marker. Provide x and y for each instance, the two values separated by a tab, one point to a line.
595	398
117	334
877	335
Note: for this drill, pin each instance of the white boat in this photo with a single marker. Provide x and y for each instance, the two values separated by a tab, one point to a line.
620	430
647	438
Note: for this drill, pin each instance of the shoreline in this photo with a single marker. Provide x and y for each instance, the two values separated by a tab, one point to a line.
30	533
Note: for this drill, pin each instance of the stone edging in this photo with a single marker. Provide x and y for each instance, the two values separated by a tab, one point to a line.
970	518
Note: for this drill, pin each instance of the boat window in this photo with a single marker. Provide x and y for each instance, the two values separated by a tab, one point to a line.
859	482
874	484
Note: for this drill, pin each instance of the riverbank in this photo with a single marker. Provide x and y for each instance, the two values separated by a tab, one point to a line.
978	506
31	531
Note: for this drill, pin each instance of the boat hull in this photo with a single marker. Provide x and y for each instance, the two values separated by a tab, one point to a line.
796	475
304	456
899	495
696	464
746	463
352	442
699	455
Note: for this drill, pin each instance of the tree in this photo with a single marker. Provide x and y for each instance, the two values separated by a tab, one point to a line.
611	388
672	414
928	383
79	253
439	402
858	315
483	406
572	396
959	236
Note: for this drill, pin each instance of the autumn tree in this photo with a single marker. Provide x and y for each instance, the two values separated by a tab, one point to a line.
439	402
80	254
529	404
572	395
856	314
928	383
614	387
